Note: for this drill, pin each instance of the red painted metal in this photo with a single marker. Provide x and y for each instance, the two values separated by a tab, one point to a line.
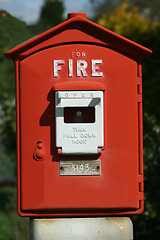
119	188
71	15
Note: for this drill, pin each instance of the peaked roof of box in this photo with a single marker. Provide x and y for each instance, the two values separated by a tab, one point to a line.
80	30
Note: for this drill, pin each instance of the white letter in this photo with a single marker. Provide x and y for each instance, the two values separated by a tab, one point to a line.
70	65
56	67
78	54
95	68
81	66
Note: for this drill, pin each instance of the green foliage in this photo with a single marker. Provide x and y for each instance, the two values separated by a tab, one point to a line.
151	73
7	80
99	7
144	6
126	21
8	126
152	163
11	225
52	12
51	15
12	32
152	7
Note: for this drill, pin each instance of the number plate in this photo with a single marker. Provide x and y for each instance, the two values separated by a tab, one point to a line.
80	167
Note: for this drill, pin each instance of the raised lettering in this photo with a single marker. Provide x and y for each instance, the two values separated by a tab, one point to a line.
78	54
79	141
57	67
95	68
70	65
79	129
81	68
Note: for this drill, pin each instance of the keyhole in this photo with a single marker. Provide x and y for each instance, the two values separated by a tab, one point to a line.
78	117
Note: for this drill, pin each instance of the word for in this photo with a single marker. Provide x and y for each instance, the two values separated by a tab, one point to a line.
78	54
81	68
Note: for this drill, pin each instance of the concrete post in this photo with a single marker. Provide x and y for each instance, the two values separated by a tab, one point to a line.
109	228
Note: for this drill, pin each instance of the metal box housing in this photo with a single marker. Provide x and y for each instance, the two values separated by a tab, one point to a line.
79	57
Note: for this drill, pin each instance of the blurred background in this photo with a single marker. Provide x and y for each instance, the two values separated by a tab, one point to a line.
138	20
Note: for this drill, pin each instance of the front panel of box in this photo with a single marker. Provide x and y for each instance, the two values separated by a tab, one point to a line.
56	125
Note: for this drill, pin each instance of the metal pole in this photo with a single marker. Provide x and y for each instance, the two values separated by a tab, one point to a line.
109	228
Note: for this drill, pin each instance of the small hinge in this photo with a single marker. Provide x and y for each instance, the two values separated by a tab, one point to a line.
139	89
139	70
140	178
141	187
140	195
139	98
139	80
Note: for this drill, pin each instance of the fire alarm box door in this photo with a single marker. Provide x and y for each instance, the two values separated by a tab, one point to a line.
79	121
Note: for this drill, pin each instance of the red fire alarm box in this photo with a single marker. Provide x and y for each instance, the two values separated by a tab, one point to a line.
79	122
